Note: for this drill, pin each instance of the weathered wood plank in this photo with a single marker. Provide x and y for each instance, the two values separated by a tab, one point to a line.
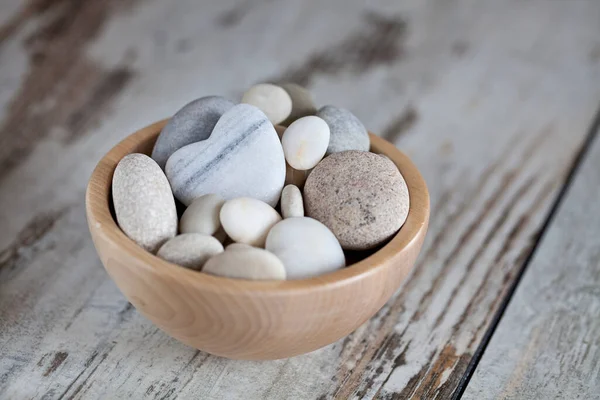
492	116
547	345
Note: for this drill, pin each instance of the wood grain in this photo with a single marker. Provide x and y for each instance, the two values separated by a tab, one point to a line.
547	345
501	113
252	320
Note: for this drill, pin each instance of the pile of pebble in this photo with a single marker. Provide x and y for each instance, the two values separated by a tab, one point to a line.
231	167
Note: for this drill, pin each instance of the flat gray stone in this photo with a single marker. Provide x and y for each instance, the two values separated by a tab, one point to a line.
242	158
193	123
346	131
143	202
360	196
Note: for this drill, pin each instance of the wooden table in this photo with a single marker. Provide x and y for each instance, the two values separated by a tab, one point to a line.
496	102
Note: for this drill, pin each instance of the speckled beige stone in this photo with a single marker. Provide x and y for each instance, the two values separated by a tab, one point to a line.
143	201
291	202
360	196
190	250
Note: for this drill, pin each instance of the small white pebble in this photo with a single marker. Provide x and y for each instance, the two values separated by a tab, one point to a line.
190	250
202	215
305	142
247	220
291	202
273	100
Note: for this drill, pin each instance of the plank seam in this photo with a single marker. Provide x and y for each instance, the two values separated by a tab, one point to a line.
573	170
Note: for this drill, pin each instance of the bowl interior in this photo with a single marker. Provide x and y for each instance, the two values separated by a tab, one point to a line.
101	219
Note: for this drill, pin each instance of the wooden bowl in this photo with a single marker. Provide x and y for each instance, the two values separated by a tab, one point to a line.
254	320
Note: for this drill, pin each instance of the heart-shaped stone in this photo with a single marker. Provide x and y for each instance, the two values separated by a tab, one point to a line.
193	123
241	158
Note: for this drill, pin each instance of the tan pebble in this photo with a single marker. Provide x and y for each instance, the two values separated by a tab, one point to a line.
360	196
253	263
291	202
272	100
302	102
190	250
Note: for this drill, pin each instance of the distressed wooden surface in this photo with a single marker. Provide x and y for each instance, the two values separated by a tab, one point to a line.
547	345
491	100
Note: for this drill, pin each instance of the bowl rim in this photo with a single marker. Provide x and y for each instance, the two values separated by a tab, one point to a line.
102	223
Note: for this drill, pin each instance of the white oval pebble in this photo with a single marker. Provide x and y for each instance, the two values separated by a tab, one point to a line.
247	220
252	263
306	247
143	201
305	142
202	216
291	202
273	100
190	250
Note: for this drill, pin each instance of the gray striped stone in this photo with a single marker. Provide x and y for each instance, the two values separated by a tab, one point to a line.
242	158
193	123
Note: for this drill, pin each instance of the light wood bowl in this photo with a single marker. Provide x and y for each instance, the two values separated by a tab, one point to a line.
254	320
